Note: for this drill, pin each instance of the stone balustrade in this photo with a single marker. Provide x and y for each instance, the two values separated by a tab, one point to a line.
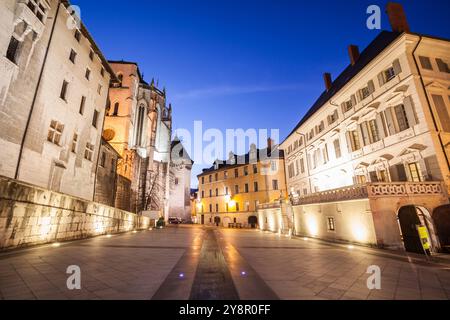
373	190
271	205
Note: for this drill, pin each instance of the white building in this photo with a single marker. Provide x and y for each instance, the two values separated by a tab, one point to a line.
53	93
370	159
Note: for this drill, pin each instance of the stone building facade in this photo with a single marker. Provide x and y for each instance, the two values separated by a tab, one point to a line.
180	182
231	191
139	124
106	177
53	94
370	160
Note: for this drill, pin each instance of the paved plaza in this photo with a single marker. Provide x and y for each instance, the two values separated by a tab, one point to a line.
194	262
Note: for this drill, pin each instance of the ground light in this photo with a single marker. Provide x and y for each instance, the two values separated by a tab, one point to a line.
109	235
56	245
181	275
306	239
134	231
243	273
351	247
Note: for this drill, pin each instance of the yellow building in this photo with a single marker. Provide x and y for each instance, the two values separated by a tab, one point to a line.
230	191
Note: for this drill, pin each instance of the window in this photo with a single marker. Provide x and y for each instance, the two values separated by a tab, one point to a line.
237	206
348	105
176	181
275	184
89	151
73	56
226	190
217	192
217	207
274	165
216	177
210	178
210	193
364	92
120	77
63	94
225	175
354	141
255	186
373	131
236	173
442	111
116	109
330	224
442	66
13	50
321	127
325	154
402	119
361	179
55	132
245	171
236	189
103	159
95	119
113	165
210	208
87	75
337	148
389	74
246	188
426	63
291	170
302	165
102	72
333	117
255	169
203	180
99	89
414	172
38	9
74	142
91	55
383	176
78	35
203	194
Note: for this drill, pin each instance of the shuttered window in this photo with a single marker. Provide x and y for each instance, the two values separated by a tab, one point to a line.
443	112
13	49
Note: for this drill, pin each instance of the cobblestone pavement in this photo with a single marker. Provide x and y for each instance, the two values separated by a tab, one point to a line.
194	262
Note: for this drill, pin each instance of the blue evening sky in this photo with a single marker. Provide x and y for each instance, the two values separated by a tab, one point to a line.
243	64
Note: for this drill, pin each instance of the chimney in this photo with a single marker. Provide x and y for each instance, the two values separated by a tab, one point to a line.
270	143
397	17
353	52
327	80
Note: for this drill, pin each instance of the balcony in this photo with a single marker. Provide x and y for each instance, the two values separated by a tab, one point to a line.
373	190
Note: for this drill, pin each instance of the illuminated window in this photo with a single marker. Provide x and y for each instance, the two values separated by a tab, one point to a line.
275	184
373	131
414	172
354	139
55	132
361	179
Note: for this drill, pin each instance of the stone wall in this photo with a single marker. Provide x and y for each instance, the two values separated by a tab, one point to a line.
31	215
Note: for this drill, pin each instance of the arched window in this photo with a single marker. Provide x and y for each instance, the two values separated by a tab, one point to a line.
116	109
140	125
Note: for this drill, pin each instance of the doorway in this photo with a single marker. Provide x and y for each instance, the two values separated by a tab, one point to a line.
409	217
217	221
253	221
203	219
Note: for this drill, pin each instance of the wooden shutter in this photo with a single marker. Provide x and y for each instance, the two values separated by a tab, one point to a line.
397	67
390	121
381	79
353	100
371	86
349	142
365	133
410	112
380	126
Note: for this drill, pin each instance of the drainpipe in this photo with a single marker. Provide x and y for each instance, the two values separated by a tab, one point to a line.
428	100
33	103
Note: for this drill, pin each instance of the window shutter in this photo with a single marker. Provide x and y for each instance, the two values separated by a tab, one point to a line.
380	126
359	95
353	100
365	133
397	67
409	109
349	142
361	136
343	107
381	79
371	86
390	121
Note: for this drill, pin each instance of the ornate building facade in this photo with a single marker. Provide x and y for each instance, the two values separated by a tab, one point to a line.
370	160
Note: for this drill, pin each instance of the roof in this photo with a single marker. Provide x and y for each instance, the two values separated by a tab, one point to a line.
182	153
94	46
381	42
242	160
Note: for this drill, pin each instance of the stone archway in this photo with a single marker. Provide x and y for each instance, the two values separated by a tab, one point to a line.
441	218
226	222
217	221
409	217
